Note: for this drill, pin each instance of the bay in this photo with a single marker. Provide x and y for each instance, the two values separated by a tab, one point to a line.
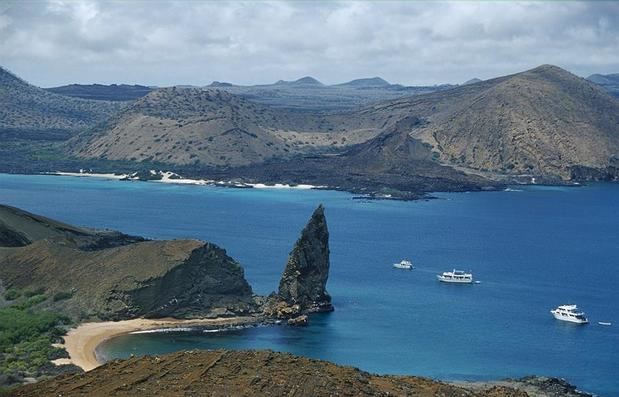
532	248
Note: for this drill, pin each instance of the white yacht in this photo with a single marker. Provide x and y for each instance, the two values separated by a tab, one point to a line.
456	276
569	313
404	264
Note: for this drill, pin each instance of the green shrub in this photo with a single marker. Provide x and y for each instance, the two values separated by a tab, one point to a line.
12	294
26	338
59	296
29	302
33	292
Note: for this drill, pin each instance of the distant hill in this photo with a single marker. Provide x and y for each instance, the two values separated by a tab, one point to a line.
610	82
302	82
604	79
217	84
367	82
391	164
113	92
472	81
544	121
308	94
31	113
191	125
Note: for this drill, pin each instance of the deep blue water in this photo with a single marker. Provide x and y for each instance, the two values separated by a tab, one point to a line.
532	249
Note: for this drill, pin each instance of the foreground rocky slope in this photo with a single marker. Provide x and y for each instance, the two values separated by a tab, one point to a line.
254	373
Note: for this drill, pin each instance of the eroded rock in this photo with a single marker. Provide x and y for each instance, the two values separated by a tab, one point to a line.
305	277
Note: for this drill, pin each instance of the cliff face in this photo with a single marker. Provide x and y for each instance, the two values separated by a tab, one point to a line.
109	275
180	278
208	283
304	280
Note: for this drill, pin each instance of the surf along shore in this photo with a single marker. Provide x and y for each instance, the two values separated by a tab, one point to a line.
81	342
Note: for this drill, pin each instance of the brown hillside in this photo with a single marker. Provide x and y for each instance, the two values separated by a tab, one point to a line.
242	373
209	126
32	113
543	121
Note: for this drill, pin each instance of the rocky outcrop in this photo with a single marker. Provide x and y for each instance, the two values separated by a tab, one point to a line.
299	321
110	275
549	386
19	228
304	280
243	373
208	284
107	275
180	278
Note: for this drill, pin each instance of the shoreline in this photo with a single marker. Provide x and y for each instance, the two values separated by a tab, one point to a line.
175	179
81	342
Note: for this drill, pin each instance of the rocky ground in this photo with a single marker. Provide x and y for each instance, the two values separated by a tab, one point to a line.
262	373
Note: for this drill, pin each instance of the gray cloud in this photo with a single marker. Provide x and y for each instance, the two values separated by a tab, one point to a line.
191	42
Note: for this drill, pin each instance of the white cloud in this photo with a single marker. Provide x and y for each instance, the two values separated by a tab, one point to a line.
191	42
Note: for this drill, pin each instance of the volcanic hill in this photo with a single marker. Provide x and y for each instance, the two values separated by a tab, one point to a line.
31	113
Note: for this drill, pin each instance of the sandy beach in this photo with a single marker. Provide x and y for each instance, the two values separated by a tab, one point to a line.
173	178
81	342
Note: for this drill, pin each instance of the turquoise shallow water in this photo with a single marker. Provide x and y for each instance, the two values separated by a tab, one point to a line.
532	249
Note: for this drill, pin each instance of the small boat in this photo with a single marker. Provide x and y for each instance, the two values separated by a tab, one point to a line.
455	276
570	314
404	264
605	323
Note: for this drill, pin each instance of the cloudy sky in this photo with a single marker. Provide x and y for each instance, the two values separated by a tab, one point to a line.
161	43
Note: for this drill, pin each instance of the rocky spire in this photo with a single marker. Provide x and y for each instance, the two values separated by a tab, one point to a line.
305	276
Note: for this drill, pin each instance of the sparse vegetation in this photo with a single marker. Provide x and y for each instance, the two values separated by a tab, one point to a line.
59	296
26	337
12	294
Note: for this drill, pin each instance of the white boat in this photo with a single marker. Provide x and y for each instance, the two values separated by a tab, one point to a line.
570	314
404	264
605	323
456	276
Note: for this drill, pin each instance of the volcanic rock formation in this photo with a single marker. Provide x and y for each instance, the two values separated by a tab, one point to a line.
264	373
109	275
304	280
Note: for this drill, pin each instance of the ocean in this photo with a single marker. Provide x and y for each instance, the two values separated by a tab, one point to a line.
532	248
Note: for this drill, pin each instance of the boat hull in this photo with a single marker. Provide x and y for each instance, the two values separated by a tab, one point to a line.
454	281
572	320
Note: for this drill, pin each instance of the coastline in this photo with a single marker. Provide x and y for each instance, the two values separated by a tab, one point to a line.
175	179
82	341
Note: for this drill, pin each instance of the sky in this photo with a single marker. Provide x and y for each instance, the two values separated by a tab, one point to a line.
162	43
